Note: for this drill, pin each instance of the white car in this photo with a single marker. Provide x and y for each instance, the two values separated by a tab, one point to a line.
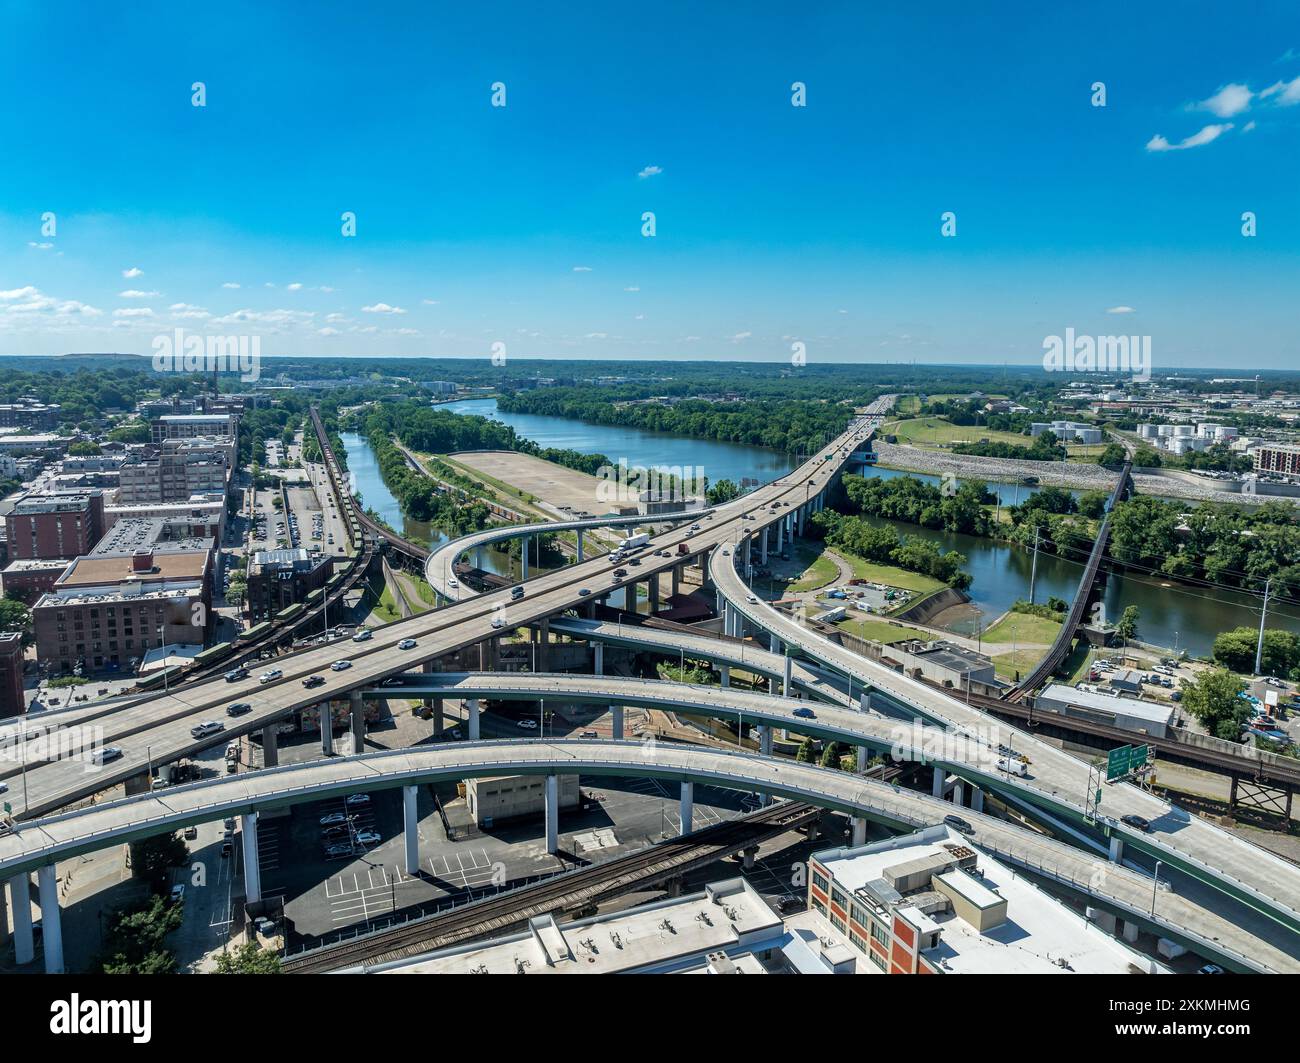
103	756
271	676
527	725
358	799
340	666
451	582
364	635
498	622
752	599
406	644
368	837
207	727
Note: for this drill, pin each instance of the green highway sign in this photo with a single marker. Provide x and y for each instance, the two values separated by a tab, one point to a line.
1125	760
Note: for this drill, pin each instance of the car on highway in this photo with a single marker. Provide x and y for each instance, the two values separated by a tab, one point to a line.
313	681
583	592
330	818
340	666
752	599
620	572
959	825
207	727
406	644
358	799
450	581
239	708
368	837
498	621
271	676
527	725
1136	822
1210	968
103	756
236	674
364	635
805	714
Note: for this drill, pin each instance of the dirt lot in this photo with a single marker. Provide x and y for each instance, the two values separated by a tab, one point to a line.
554	486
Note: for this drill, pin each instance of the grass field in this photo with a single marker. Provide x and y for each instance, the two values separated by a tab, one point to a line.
892	576
1007	664
1022	628
818	574
876	631
937	432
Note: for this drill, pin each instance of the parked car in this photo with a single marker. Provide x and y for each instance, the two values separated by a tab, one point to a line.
338	852
527	725
330	818
358	799
368	837
178	893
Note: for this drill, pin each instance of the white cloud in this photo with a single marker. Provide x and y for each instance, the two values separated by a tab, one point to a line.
650	171
1287	92
403	332
1229	100
382	308
581	269
1248	126
296	286
1120	310
188	310
1207	135
39	247
19	293
230	284
134	311
132	273
596	336
275	319
429	302
632	289
326	288
327	331
135	293
741	336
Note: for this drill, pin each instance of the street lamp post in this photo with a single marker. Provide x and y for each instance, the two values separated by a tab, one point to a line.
1155	884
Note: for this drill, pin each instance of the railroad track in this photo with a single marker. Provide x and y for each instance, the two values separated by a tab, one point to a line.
564	892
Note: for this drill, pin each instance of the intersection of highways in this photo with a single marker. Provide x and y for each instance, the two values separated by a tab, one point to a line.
1233	900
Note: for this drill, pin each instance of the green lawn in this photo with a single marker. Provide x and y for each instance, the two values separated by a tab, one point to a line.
821	572
1007	664
892	576
933	431
877	631
1023	628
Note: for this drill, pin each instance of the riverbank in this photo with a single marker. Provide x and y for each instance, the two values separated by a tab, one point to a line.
1076	475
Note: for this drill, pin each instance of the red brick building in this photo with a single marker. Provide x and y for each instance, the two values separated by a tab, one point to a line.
12	702
55	526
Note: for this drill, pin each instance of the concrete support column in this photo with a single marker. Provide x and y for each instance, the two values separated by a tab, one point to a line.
765	740
552	814
749	854
616	712
858	826
771	684
976	799
600	658
478	558
688	805
677	578
652	585
938	780
1117	850
411	828
1130	932
472	714
724	670
780	527
773	643
580	557
270	745
762	547
357	715
437	717
20	900
523	553
543	645
789	672
47	878
864	757
252	870
958	793
326	728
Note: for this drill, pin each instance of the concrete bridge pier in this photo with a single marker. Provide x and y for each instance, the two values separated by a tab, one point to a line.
543	644
1117	850
437	717
863	759
20	900
47	879
523	553
749	854
676	579
652	588
357	716
411	829
598	666
765	740
580	557
326	728
762	547
789	673
616	714
724	671
959	793
271	745
858	829
687	805
479	558
552	814
252	870
976	799
472	718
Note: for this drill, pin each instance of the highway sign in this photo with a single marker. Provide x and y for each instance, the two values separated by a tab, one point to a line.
1125	760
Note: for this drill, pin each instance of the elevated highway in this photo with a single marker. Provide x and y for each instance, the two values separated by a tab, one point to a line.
1241	870
39	846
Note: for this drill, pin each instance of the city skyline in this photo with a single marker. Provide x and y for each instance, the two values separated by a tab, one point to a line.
774	224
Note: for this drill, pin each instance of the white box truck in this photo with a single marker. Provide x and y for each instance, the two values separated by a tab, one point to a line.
631	542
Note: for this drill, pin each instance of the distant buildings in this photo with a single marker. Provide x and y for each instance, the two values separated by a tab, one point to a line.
30	415
278	579
1279	459
176	469
190	426
1067	431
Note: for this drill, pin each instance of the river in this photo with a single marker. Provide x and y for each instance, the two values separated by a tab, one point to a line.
1171	614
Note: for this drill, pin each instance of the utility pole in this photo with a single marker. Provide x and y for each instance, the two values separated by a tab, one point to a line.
1263	613
1033	569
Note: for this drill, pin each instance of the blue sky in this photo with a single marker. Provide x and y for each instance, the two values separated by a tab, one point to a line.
522	224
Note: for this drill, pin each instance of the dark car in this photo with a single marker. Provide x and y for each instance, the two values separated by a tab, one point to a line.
1136	822
239	708
805	714
959	825
583	592
313	681
236	674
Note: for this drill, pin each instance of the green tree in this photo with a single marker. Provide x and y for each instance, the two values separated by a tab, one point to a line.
722	491
1127	626
1212	699
153	858
1092	504
15	616
831	755
1114	454
249	958
805	754
84	449
1235	649
134	940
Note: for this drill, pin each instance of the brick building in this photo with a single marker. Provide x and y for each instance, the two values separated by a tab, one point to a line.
55	526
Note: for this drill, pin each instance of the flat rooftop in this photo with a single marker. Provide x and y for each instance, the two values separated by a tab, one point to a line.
677	934
101	569
1155	711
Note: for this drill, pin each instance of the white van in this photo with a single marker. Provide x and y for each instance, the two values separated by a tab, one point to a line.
1013	766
